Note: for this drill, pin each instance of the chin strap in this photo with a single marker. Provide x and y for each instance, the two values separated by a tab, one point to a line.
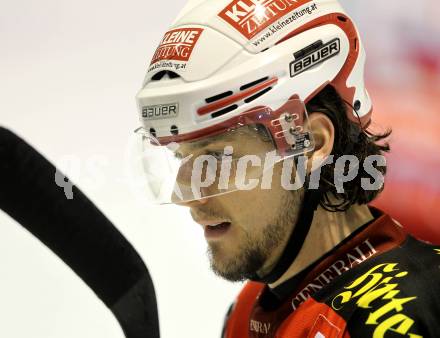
296	240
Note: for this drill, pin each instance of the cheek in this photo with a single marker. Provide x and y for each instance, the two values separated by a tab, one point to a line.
253	210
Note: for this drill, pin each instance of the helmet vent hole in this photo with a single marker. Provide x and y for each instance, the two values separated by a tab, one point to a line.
218	97
224	111
254	83
174	130
153	132
357	105
342	18
162	75
308	50
256	96
173	75
355	44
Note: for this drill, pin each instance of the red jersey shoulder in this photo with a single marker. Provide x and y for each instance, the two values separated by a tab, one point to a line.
240	311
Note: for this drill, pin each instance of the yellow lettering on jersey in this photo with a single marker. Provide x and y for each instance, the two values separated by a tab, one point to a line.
377	284
393	304
402	322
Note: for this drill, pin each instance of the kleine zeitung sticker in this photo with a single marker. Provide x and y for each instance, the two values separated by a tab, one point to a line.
177	44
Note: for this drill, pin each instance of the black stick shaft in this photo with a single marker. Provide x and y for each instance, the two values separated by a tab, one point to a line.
76	231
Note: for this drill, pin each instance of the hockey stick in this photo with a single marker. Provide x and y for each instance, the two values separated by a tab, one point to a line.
76	231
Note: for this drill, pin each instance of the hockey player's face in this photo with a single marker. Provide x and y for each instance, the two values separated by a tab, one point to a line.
260	222
246	231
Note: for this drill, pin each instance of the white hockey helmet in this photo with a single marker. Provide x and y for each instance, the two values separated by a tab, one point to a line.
225	64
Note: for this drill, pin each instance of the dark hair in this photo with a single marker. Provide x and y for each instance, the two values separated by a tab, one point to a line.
350	139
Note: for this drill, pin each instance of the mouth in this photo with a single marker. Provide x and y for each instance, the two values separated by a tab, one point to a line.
216	230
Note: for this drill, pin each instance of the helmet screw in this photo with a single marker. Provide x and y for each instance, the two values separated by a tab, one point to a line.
293	131
289	118
174	130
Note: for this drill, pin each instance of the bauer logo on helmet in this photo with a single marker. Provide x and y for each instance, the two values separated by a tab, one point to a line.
315	57
162	111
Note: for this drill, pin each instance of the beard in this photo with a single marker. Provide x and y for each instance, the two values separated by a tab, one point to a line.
256	248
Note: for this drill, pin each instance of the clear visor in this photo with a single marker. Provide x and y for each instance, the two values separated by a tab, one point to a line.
239	158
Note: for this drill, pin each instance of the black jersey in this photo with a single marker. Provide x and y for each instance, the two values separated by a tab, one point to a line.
378	282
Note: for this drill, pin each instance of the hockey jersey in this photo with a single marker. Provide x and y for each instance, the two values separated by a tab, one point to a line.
378	282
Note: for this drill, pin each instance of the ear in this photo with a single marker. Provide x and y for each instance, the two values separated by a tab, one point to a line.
324	134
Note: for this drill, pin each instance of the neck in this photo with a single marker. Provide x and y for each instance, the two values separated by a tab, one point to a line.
328	229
